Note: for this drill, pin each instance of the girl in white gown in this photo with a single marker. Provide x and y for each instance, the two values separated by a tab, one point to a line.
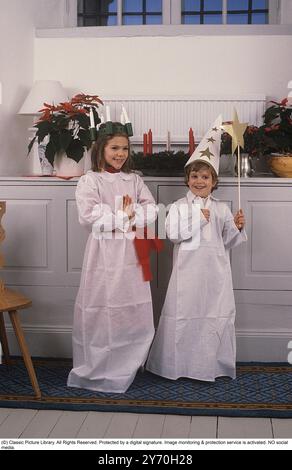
113	320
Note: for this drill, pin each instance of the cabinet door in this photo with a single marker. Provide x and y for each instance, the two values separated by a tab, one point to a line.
266	262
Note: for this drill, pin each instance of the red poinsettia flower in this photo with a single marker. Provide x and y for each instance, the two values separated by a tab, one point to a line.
67	125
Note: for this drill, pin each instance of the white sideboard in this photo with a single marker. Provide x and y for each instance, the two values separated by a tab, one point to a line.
44	247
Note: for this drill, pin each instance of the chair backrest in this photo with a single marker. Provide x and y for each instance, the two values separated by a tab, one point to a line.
2	237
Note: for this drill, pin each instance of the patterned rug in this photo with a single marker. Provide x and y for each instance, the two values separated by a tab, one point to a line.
260	389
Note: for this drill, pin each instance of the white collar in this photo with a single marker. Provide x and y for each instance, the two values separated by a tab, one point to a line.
192	197
105	175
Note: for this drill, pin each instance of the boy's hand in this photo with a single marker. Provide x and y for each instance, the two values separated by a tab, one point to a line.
206	214
239	219
128	206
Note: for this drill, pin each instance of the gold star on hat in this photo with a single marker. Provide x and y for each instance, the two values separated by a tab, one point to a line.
206	153
211	140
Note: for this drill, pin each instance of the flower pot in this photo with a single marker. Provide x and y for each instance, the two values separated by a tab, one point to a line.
281	164
65	166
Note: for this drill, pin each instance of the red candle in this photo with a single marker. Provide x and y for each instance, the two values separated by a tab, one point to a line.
150	142
191	142
145	144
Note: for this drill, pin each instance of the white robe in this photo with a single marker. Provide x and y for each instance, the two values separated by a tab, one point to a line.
196	336
113	318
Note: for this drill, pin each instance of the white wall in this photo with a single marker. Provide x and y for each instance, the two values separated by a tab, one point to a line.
16	73
56	13
167	65
286	12
18	19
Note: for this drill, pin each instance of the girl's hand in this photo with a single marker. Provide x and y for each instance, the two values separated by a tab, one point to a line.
239	219
206	214
128	206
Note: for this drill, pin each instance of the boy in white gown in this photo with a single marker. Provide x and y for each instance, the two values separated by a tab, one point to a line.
196	336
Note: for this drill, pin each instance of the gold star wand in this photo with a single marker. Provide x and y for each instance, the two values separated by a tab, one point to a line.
236	130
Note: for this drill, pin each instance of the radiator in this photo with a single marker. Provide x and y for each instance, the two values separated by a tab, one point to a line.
177	114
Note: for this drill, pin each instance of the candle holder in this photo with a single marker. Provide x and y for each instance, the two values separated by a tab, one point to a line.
129	129
93	134
109	127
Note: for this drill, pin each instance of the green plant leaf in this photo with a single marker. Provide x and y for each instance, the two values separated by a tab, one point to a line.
50	152
31	145
56	141
65	138
44	128
84	136
75	150
83	120
96	116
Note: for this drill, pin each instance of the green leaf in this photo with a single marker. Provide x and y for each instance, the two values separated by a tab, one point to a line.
50	152
75	150
96	116
31	144
65	138
84	136
55	139
83	120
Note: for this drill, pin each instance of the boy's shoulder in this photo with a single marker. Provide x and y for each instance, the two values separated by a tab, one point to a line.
182	200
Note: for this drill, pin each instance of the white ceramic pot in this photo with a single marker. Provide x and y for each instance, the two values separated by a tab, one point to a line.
65	166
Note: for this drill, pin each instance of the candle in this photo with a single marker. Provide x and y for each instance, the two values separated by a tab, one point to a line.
168	142
107	113
101	117
191	142
144	144
122	119
91	116
125	115
150	142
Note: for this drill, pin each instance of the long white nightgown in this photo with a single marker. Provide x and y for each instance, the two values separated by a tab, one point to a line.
196	336
113	319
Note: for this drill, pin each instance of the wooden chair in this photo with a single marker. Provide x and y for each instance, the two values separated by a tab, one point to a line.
12	301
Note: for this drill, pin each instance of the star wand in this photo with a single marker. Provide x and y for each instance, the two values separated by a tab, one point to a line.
236	130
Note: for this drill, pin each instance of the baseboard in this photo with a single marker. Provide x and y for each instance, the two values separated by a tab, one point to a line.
52	341
44	341
266	346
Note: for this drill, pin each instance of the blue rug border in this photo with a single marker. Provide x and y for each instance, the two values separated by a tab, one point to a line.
30	402
235	413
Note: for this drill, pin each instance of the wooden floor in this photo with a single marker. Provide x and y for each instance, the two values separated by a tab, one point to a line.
21	423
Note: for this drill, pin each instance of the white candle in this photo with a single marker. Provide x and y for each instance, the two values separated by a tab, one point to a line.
101	121
125	115
168	142
122	120
107	113
92	124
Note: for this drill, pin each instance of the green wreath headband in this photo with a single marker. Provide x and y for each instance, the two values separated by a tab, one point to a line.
112	128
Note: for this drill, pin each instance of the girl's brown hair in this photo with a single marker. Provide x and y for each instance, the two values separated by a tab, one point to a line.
198	165
98	162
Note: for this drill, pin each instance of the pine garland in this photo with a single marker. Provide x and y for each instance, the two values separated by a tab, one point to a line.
169	161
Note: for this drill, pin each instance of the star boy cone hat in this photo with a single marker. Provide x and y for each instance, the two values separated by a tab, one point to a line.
208	150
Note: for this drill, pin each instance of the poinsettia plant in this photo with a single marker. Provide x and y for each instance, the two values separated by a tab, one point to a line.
276	132
65	127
